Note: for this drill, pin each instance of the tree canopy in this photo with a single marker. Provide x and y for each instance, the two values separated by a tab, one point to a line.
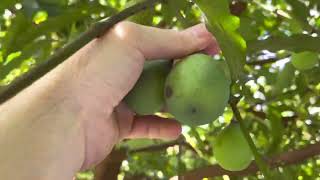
271	48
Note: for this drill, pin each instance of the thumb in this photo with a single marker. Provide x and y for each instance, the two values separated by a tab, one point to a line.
155	43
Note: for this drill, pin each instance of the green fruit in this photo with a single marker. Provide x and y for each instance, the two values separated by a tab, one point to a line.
197	90
305	60
147	95
231	149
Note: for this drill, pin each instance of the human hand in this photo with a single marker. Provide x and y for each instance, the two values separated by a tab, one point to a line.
107	69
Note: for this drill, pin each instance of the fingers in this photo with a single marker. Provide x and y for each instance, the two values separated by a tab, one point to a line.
213	48
155	43
124	118
154	127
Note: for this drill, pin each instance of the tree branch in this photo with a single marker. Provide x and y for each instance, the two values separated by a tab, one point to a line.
263	115
164	146
109	168
98	29
298	43
284	159
265	61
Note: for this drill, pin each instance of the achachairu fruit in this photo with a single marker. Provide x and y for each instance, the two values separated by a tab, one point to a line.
147	95
305	60
231	149
197	89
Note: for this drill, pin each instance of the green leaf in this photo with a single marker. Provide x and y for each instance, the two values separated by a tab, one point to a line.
38	51
173	9
276	124
312	75
145	17
302	83
52	9
54	2
305	60
284	79
30	7
223	25
17	29
6	4
300	13
247	29
30	33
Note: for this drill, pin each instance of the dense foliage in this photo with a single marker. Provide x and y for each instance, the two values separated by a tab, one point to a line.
279	99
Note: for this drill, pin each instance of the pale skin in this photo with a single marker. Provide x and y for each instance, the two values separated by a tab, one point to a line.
71	118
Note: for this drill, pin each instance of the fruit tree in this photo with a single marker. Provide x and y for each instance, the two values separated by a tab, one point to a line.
250	112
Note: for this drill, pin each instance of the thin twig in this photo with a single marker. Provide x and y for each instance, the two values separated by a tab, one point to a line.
164	146
61	55
257	156
266	61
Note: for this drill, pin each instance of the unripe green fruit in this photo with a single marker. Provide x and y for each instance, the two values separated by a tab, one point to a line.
231	149
197	90
305	60
147	95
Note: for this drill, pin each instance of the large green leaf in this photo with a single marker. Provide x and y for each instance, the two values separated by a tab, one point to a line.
223	25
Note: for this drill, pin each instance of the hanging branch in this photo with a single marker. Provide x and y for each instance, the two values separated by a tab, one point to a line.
98	29
283	159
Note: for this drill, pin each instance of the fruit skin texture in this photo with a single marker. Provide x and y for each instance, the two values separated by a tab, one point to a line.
305	60
231	149
197	90
147	95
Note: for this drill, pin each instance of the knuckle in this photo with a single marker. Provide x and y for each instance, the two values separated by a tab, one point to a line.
184	38
124	31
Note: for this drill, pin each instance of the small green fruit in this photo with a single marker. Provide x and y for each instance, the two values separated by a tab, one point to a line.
305	60
147	95
231	149
197	90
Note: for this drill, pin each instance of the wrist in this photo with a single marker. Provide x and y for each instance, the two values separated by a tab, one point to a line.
41	123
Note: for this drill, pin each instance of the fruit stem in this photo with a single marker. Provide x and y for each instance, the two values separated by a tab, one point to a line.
257	156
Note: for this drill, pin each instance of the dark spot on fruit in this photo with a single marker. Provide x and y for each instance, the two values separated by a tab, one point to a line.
193	110
168	92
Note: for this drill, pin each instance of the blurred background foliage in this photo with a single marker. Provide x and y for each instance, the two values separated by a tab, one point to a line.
280	102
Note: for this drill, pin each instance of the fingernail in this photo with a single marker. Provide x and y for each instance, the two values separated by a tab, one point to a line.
200	31
213	49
